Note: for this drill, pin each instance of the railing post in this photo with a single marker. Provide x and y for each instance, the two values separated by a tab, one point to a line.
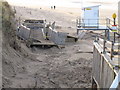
105	34
88	22
77	31
104	47
112	45
114	37
108	34
96	39
98	22
107	22
76	22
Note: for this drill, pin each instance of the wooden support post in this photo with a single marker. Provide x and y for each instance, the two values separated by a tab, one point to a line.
112	45
104	46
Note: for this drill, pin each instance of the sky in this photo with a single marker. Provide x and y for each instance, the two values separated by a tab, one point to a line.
65	3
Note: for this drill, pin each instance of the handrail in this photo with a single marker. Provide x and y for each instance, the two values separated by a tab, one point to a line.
98	24
108	46
108	22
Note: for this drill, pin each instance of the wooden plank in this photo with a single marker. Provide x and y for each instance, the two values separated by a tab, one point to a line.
105	69
98	47
98	86
114	50
35	43
116	62
71	36
116	56
117	44
109	47
108	44
102	40
98	67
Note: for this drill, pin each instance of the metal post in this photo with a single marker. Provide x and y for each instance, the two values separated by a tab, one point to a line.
112	45
104	46
114	21
108	34
76	22
19	21
105	34
98	23
78	25
77	31
114	37
107	22
88	22
114	32
107	26
104	41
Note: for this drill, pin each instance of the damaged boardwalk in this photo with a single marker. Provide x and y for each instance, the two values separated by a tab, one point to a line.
38	33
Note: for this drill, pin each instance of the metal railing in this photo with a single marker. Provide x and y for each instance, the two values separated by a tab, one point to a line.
109	47
87	22
98	24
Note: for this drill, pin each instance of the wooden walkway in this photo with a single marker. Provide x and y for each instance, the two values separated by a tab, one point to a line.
43	42
106	64
41	38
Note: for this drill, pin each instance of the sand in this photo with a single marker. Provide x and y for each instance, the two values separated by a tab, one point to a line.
69	67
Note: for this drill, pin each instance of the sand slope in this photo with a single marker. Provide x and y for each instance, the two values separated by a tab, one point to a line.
69	67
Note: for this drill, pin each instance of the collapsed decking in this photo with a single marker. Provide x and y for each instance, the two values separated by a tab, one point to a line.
37	32
32	32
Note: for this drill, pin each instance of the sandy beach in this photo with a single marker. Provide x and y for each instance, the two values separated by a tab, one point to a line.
64	17
69	67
